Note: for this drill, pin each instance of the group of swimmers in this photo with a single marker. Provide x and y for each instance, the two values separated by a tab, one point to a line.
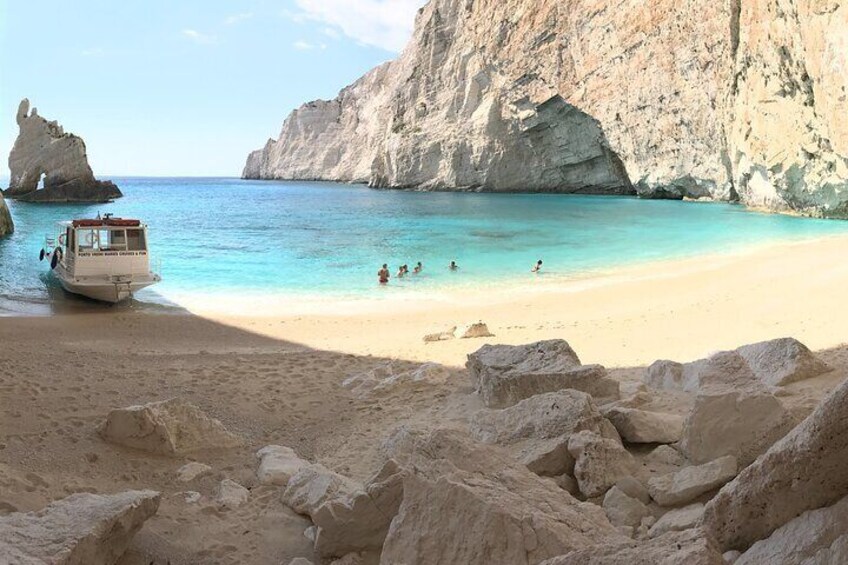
383	274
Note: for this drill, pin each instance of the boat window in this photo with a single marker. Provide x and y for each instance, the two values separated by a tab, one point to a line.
117	239
87	239
135	240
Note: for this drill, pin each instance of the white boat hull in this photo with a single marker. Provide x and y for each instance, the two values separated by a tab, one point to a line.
107	289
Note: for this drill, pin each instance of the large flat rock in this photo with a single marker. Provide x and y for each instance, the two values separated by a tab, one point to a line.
82	529
471	503
507	374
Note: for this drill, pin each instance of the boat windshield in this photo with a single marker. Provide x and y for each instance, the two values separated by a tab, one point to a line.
111	239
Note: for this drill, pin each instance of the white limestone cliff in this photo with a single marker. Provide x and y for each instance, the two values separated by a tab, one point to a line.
665	99
6	225
43	149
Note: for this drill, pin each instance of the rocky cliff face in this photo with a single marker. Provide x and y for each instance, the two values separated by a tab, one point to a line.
669	98
43	148
6	225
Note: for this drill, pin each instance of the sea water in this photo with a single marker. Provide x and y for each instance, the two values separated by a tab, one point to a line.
220	237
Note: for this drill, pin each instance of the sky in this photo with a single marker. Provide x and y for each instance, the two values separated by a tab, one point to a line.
184	87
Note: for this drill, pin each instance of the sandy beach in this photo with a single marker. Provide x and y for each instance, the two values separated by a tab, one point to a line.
276	379
671	309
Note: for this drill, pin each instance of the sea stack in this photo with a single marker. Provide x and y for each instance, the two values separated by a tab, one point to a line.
734	101
44	149
6	225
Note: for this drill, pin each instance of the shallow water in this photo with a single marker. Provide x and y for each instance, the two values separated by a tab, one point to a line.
224	236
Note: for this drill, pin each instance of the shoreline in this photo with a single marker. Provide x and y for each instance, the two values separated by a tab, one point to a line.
680	309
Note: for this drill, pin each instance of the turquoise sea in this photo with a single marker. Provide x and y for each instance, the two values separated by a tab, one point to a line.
220	236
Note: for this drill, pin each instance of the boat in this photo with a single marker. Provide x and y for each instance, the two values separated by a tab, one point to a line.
103	259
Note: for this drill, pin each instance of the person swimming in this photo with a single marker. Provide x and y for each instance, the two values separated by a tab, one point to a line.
418	268
453	266
401	271
538	267
383	274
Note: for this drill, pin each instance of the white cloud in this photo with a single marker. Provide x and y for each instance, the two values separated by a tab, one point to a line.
93	52
381	23
332	33
236	18
306	46
197	37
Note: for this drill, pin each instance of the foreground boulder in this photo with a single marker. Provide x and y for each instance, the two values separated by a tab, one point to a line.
471	503
807	469
741	420
678	520
359	521
776	362
641	426
169	427
6	225
314	485
691	482
507	374
536	430
89	529
599	462
802	538
43	147
690	547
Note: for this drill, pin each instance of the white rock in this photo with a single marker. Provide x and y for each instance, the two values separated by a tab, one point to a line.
640	426
803	471
169	427
300	561
478	329
359	521
230	494
782	361
82	529
191	471
385	379
277	464
314	485
599	462
441	336
191	496
801	538
677	520
471	503
507	374
742	422
689	483
776	362
536	429
6	224
623	510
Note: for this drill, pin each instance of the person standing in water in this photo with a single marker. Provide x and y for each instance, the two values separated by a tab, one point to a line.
401	271
537	267
418	268
383	274
453	266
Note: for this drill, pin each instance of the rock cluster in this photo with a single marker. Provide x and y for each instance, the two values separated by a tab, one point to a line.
42	148
665	99
543	476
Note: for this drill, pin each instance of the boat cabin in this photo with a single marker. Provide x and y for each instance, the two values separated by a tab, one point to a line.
109	246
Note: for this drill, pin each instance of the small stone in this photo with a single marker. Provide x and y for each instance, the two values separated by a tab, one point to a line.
640	426
689	483
440	336
622	510
475	330
191	471
634	489
677	520
600	462
230	494
731	556
300	561
666	455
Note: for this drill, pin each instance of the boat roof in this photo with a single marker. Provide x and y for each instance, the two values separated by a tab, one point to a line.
102	222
